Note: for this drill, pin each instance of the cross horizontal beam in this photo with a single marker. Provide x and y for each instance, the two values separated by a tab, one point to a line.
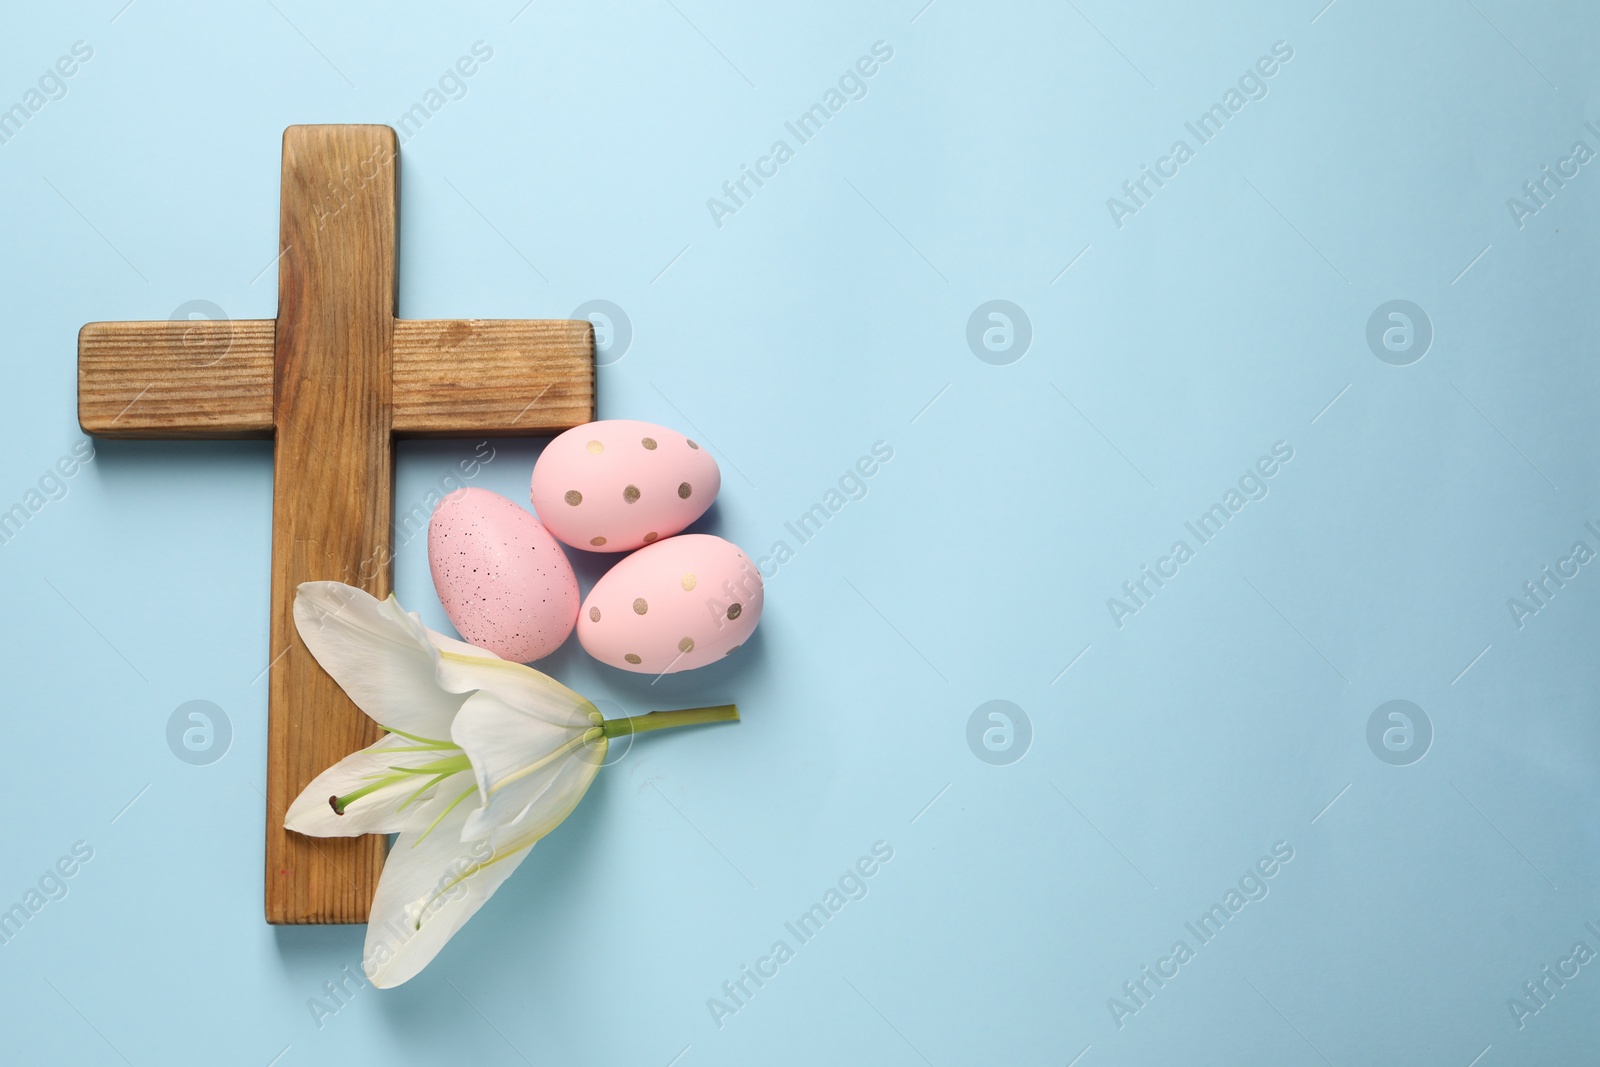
451	378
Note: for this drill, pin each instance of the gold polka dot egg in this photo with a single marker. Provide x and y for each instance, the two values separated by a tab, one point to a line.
619	484
672	606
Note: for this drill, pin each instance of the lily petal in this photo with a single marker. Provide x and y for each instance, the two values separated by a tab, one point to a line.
537	694
450	644
393	808
378	654
433	881
517	754
431	885
553	804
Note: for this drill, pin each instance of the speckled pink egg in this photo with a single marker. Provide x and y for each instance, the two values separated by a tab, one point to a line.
501	577
672	606
614	485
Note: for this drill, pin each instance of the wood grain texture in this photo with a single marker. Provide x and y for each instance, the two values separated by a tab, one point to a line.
332	496
496	377
452	378
176	379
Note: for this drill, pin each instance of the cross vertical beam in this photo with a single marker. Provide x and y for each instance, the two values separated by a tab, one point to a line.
332	495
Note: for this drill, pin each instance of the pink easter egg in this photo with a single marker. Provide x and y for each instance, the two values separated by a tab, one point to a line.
672	606
501	577
617	484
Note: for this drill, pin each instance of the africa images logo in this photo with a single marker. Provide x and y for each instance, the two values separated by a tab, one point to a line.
852	885
1252	85
851	85
1253	886
1252	486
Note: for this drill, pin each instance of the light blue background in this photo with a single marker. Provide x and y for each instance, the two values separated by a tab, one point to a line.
827	314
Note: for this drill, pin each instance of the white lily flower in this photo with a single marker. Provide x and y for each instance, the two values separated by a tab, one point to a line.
460	722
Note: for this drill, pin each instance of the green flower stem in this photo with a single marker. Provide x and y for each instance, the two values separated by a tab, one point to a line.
662	720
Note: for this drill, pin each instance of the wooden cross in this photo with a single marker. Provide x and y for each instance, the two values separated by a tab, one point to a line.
332	381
